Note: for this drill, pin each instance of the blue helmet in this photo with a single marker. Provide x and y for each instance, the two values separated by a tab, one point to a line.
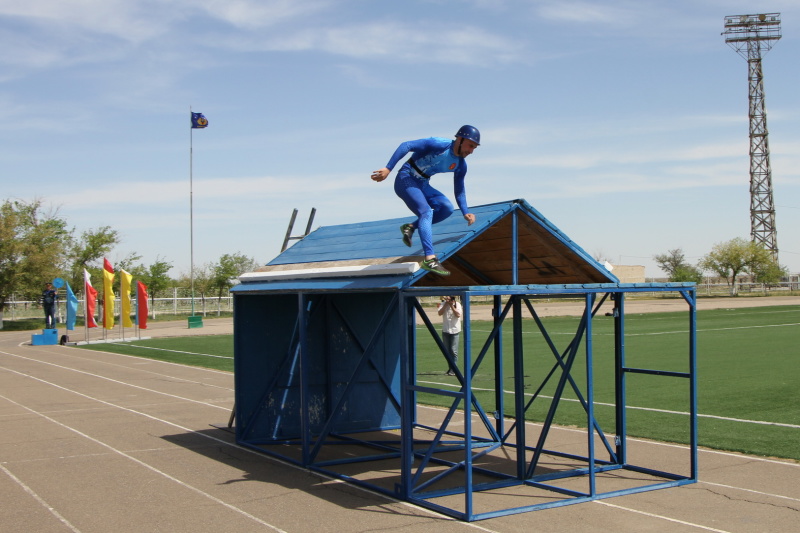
469	132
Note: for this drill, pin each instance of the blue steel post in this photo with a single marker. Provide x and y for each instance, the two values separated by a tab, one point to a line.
238	364
620	378
519	388
411	353
305	424
467	410
692	299
407	395
590	393
498	367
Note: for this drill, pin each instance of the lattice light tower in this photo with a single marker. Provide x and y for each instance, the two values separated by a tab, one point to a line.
750	35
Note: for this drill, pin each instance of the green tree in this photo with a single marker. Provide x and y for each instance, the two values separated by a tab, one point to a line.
202	284
129	265
738	256
85	253
224	274
674	264
687	273
769	273
229	268
157	277
32	247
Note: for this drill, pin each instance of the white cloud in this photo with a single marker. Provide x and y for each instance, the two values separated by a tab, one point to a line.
619	14
416	41
250	14
239	189
139	20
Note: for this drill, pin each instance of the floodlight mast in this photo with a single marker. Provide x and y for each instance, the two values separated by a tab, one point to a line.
749	36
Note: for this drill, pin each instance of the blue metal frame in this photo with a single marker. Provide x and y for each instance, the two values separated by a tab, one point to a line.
424	474
525	471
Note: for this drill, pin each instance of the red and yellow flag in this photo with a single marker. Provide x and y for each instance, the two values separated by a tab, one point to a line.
108	295
91	300
125	298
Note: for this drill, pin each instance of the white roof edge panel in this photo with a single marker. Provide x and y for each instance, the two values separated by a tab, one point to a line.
333	272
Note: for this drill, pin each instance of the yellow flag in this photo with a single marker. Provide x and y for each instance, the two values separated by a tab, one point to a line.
125	298
108	295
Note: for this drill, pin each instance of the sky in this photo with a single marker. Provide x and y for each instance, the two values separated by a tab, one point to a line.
624	122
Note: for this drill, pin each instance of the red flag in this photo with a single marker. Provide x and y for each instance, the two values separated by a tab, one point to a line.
141	305
91	300
107	265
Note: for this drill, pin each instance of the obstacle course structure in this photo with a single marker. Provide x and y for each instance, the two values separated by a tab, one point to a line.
327	377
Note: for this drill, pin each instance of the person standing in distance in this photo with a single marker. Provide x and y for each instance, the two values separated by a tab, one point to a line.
450	310
431	156
49	299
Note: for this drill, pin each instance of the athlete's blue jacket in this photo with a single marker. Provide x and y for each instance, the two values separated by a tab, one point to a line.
433	155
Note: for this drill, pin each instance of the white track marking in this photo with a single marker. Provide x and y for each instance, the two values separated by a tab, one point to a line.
471	525
107	379
682	522
38	498
652	409
134	459
657	443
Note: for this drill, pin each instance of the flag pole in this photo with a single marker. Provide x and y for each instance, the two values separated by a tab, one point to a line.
136	331
191	210
85	309
121	325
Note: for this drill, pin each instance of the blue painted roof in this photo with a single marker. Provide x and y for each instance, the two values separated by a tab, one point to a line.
481	254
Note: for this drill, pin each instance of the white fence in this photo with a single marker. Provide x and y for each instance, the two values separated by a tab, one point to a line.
180	303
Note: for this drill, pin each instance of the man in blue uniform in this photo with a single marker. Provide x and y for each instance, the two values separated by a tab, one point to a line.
49	299
412	183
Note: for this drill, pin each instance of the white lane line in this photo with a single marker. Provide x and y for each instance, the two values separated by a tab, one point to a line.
668	519
138	461
173	351
632	407
628	334
39	499
263	456
760	493
657	443
105	378
147	360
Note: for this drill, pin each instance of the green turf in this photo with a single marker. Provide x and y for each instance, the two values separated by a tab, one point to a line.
209	351
747	368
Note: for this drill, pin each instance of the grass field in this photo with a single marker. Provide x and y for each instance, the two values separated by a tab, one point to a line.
748	374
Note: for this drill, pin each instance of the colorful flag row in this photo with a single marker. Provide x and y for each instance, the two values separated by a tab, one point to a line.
108	300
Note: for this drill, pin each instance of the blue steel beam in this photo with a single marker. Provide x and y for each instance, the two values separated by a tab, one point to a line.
591	423
573	352
620	381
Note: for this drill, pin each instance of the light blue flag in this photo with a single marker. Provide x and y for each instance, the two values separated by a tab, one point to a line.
72	308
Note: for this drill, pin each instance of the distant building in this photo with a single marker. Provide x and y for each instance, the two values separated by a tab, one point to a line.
629	273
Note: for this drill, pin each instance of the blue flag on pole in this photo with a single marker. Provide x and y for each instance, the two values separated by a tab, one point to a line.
72	308
199	121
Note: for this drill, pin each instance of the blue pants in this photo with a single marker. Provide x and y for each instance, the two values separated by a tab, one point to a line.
49	316
450	341
430	205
